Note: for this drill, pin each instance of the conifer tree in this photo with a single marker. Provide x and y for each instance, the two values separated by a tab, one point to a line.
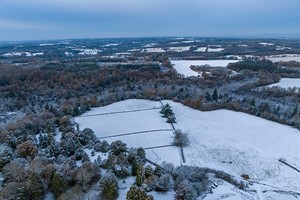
136	193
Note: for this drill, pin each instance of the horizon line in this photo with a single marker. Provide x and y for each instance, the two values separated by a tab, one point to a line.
244	37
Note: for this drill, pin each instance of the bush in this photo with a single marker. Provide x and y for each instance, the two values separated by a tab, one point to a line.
27	149
6	155
109	186
136	193
118	147
102	146
164	183
181	139
58	185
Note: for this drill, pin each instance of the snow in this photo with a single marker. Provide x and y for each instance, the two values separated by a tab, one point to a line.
153	50
50	196
215	45
201	49
150	45
38	54
215	49
284	57
226	191
124	187
266	44
287	83
122	53
28	54
46	44
240	143
234	142
93	158
134	50
280	48
179	49
163	195
183	66
68	53
88	51
242	45
111	45
160	155
12	54
174	42
188	41
113	121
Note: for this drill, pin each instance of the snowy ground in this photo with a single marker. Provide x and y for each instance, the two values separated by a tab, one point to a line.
132	121
28	54
89	51
233	142
179	49
201	49
153	50
240	143
266	44
183	66
215	49
287	83
284	58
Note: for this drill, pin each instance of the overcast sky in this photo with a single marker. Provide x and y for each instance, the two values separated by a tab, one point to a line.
64	19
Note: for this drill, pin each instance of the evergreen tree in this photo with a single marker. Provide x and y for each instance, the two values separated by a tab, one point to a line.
36	187
207	96
158	171
295	111
215	96
139	175
148	171
109	186
58	185
141	153
135	164
171	119
136	193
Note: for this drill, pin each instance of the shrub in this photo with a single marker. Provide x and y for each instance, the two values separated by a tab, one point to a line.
27	149
136	193
181	139
109	186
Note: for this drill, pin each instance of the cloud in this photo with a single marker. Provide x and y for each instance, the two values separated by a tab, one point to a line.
149	17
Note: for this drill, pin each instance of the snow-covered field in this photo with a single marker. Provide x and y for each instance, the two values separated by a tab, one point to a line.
266	44
153	50
240	143
183	66
179	49
89	51
132	121
201	49
287	83
28	54
215	49
111	45
281	48
284	58
233	142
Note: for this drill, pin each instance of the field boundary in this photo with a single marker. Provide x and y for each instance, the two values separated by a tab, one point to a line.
119	112
134	133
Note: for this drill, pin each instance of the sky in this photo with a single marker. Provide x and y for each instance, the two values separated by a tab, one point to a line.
67	19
